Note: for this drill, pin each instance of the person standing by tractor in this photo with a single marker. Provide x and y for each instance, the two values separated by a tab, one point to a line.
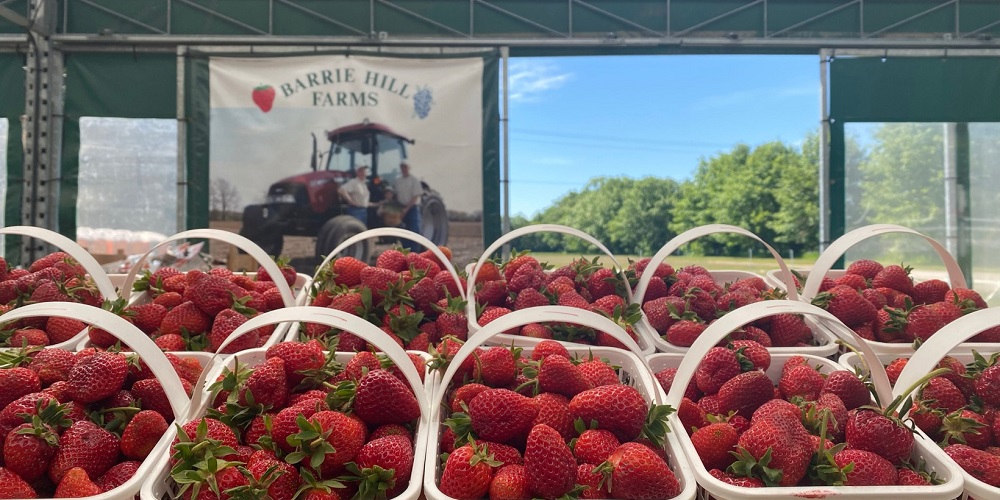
409	192
355	195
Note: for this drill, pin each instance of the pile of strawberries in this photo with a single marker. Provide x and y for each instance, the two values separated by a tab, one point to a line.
410	296
78	424
960	409
56	277
883	304
302	425
196	311
523	282
681	304
548	426
809	429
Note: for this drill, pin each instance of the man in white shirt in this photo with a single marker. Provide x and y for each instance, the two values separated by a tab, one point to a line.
355	195
409	191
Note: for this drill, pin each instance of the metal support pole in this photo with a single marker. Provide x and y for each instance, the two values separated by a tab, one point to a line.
951	188
824	154
182	183
505	179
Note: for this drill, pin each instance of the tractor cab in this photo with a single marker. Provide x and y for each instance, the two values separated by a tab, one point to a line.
365	144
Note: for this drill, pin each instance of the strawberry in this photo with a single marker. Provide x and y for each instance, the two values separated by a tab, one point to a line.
172	342
52	365
488	272
776	406
496	367
75	484
17	382
745	393
867	468
147	316
530	297
117	475
875	432
515	263
12	486
786	330
665	378
267	385
446	285
909	477
684	332
847	305
753	351
777	442
97	377
467	473
279	480
87	446
662	312
854	281
379	280
895	368
848	388
598	373
527	276
225	323
602	283
940	392
594	446
492	313
28	337
865	268
492	293
501	415
987	385
211	294
345	435
503	454
636	471
287	272
29	447
802	381
741	481
979	464
967	427
299	358
142	433
553	411
930	291
382	398
691	415
390	453
895	277
716	368
61	329
510	482
549	463
573	299
548	347
620	409
959	295
184	317
714	444
557	374
169	300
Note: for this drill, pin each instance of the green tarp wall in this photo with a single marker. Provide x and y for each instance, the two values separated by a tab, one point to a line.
11	108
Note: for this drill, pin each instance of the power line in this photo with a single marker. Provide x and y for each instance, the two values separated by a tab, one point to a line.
642	140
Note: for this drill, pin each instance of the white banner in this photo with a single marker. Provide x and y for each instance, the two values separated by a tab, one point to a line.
264	112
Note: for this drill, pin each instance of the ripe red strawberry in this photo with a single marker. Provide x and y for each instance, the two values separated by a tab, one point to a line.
172	342
877	433
267	385
492	313
379	280
153	397
602	283
549	463
381	398
452	321
854	281
76	484
52	365
895	368
345	434
169	300
185	316
280	479
12	486
464	394
573	299
142	433
553	411
492	293
967	427
298	358
869	469
28	337
502	453
987	385
959	295
225	323
684	332
979	464
636	471
61	329
117	475
661	312
847	305
391	453
347	271
865	268
598	373
29	447
530	297
776	406
895	277
87	446
745	393
527	276
620	409
714	444
17	382
510	481
496	367
97	377
787	330
557	374
467	473
942	393
753	351
930	291
785	440
594	446
548	347
716	368
802	381
501	415
848	388
287	272
743	482
147	316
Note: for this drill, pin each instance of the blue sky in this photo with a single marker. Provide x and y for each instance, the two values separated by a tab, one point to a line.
575	118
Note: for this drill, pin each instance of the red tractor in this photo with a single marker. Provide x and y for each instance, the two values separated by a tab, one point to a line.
309	205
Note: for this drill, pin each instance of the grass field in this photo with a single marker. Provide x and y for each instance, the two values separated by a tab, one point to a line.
757	265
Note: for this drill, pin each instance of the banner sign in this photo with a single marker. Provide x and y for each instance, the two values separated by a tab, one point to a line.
288	135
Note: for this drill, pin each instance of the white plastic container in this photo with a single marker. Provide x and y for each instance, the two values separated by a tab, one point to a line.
150	354
289	298
94	270
159	485
470	290
950	340
924	448
825	341
838	248
633	371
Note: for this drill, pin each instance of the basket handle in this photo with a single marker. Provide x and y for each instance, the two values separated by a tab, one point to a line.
234	239
128	333
470	290
698	232
74	250
941	343
399	233
841	245
537	315
333	318
726	324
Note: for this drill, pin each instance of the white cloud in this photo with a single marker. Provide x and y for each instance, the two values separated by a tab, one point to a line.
758	94
530	78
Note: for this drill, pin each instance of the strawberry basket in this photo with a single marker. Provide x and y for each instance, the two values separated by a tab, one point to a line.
821	341
167	380
950	341
191	326
916	313
632	371
606	288
923	449
411	294
28	282
161	484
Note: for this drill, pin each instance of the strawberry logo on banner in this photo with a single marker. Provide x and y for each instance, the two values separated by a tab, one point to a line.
263	97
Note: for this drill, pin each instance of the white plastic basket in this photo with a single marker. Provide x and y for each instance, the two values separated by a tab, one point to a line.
289	298
470	290
924	448
633	371
825	341
150	354
159	484
949	340
94	270
838	248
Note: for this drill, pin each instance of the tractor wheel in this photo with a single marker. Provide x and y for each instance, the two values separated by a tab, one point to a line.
264	232
434	220
338	229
